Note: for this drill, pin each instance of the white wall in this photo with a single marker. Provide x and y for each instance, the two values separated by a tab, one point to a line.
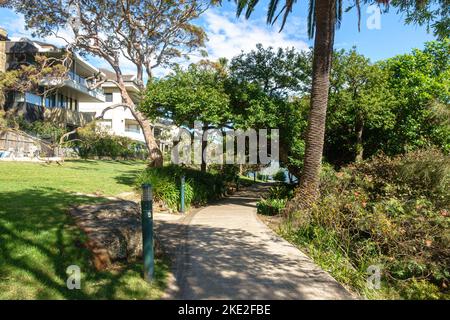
117	115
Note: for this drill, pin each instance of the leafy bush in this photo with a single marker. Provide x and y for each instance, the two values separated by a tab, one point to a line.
200	187
276	200
387	211
94	142
262	177
270	207
281	191
280	176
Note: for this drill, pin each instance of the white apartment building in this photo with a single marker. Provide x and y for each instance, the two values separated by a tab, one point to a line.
120	121
74	103
62	104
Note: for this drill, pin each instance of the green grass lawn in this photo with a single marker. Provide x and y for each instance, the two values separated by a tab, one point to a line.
38	239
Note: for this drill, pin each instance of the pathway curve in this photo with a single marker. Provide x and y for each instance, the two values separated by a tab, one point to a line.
224	251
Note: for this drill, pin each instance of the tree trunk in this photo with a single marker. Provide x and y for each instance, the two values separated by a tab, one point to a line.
359	140
307	192
155	156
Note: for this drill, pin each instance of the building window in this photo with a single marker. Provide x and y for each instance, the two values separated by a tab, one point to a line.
109	97
50	101
33	98
105	123
132	126
62	101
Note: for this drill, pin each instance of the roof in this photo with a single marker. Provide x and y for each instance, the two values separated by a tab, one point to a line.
110	75
24	45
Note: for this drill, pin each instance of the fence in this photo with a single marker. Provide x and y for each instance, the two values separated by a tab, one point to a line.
19	144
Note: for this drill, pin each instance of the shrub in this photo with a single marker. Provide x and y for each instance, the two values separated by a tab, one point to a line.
280	176
387	211
95	142
262	177
281	191
270	207
200	187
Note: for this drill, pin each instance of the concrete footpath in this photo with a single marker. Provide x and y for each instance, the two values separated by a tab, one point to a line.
224	251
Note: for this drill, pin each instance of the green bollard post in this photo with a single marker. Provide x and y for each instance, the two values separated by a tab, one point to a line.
182	194
147	232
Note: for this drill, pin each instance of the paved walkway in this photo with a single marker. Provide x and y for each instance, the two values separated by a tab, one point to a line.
225	252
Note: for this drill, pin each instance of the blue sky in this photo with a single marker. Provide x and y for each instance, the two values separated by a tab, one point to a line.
229	35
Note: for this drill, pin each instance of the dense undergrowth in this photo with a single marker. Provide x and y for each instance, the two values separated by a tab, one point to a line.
385	212
200	187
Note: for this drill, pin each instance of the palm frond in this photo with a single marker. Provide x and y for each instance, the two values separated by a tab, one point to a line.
287	11
251	4
241	4
311	19
358	9
273	4
338	13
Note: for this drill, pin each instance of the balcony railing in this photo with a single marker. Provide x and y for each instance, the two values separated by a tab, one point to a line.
82	81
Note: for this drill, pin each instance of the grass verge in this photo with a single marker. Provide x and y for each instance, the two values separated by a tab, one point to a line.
38	240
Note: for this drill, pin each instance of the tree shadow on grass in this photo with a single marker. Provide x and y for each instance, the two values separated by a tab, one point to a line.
38	241
129	177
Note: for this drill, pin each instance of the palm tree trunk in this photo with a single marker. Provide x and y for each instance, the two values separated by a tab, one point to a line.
307	192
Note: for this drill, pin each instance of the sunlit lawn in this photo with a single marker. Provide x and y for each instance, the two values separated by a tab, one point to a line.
38	240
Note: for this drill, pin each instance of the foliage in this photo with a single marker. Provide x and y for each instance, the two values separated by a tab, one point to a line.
229	172
394	106
434	14
270	207
359	106
7	81
186	96
200	187
169	35
281	191
420	83
280	176
323	18
28	77
264	86
92	141
43	129
276	200
280	72
262	177
386	211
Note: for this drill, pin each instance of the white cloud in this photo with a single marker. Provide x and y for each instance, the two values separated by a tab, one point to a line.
228	35
15	24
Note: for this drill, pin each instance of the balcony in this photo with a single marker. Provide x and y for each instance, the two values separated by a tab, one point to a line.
79	84
69	117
